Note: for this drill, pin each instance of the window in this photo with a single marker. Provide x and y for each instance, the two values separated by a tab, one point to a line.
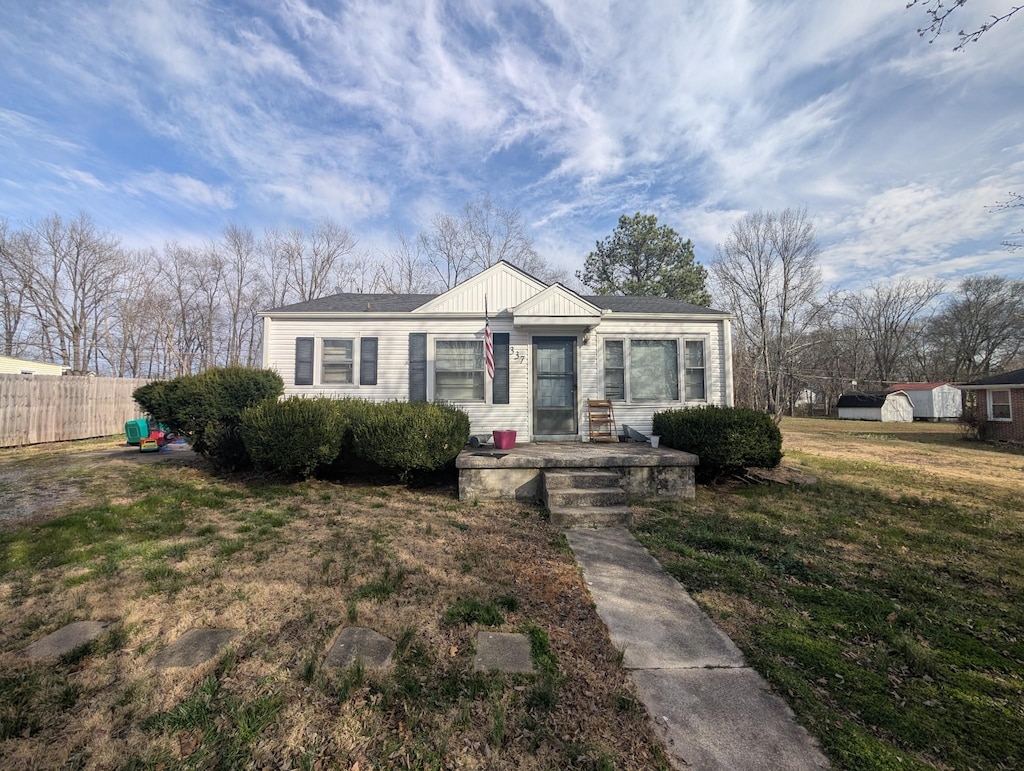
654	370
459	370
649	370
336	362
693	370
999	405
614	371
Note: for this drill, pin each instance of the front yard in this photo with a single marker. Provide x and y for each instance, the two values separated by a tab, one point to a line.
886	603
157	548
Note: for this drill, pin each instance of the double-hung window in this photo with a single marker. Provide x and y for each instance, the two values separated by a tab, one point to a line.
336	362
999	405
614	370
459	370
693	370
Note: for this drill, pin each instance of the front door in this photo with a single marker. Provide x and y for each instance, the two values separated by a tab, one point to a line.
554	387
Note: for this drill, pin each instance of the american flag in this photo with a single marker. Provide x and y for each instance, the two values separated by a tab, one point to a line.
488	344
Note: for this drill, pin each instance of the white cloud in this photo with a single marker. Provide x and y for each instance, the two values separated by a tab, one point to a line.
179	188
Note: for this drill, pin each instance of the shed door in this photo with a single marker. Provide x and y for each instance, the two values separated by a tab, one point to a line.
554	387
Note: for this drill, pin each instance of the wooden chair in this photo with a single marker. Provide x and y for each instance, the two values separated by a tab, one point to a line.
601	416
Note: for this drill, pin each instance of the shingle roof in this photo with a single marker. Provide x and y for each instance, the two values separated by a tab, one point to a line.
356	302
624	304
861	400
1016	377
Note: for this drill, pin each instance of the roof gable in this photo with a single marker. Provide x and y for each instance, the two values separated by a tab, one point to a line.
502	287
556	301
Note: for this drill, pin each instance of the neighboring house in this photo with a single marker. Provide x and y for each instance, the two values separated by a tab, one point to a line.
893	407
998	403
553	349
12	366
932	401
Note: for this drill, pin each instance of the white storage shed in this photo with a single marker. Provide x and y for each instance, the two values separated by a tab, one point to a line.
932	401
892	407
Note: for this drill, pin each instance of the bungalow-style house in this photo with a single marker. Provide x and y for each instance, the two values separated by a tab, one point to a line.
892	407
998	404
932	401
553	349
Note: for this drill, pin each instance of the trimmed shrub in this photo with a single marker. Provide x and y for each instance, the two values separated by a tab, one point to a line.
726	439
294	437
408	436
207	408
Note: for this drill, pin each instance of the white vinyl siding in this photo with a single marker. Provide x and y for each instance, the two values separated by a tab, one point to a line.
459	370
459	316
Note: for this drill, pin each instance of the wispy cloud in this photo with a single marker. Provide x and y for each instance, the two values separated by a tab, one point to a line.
381	114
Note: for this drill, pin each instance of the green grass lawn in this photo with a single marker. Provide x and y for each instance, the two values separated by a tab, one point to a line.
886	603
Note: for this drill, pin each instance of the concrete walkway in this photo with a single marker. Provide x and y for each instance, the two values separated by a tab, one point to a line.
712	710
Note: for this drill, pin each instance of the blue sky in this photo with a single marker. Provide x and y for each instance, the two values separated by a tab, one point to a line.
166	119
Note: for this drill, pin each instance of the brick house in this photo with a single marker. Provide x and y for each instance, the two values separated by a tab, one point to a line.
998	403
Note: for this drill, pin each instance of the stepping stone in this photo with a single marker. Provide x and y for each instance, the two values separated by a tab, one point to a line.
193	648
357	643
65	640
502	651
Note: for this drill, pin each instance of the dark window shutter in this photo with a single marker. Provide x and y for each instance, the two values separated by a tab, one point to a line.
303	361
418	367
499	395
368	361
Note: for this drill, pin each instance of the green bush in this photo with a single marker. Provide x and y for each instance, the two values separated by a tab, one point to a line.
408	436
207	408
726	439
294	437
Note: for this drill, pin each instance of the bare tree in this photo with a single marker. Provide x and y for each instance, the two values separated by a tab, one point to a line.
13	289
889	315
939	11
70	270
405	269
242	293
979	330
766	273
459	246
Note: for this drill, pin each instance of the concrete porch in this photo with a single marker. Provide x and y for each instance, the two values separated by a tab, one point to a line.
581	476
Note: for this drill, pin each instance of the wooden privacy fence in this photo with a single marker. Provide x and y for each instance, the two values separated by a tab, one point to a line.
46	408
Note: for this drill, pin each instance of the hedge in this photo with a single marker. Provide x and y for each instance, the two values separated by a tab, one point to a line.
293	437
409	436
207	408
726	439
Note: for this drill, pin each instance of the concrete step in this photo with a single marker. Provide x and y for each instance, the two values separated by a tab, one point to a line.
581	479
591	516
571	497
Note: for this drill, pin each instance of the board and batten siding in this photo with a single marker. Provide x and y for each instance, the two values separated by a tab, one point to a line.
393	362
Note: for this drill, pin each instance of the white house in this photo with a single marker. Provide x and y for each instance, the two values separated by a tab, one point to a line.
932	401
11	366
892	407
553	349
